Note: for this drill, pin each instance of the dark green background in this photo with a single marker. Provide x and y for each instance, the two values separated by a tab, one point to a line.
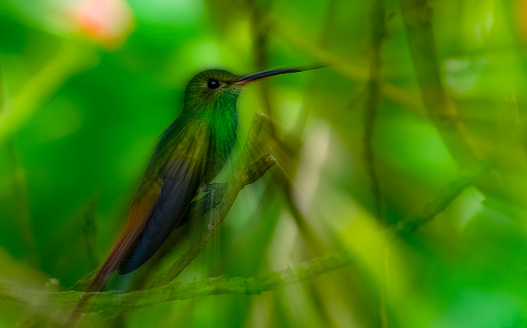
82	114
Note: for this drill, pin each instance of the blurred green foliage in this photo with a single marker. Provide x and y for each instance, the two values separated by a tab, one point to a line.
88	86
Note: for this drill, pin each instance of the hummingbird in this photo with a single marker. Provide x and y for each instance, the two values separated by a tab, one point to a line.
189	155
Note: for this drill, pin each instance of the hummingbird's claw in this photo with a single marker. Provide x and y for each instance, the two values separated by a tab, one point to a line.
213	187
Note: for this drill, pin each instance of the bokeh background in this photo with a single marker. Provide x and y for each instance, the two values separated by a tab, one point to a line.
410	123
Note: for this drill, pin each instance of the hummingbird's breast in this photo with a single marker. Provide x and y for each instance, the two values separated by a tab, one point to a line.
223	136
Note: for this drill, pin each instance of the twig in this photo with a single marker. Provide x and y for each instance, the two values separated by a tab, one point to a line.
438	205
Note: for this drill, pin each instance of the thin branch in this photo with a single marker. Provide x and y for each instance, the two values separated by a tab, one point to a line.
112	304
438	205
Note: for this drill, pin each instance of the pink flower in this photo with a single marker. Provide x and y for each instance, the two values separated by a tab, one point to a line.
106	21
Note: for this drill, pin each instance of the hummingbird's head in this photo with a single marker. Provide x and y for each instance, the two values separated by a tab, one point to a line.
213	85
209	86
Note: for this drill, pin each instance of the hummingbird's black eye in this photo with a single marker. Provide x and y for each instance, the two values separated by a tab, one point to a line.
213	84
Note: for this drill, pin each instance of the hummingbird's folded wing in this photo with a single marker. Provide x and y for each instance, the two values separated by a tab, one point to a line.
181	171
174	174
138	217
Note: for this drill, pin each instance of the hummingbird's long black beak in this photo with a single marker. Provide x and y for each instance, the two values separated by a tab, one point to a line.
260	75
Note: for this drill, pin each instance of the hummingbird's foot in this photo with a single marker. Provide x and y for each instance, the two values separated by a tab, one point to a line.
207	198
214	188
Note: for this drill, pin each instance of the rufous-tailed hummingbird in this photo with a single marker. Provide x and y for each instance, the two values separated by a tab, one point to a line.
190	154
